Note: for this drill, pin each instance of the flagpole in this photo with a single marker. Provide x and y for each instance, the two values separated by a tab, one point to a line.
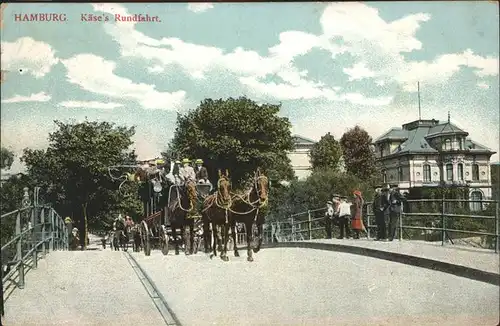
419	109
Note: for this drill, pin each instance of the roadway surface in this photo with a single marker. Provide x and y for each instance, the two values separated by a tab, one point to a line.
283	286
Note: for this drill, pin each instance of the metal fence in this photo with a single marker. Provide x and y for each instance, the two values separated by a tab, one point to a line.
446	220
28	234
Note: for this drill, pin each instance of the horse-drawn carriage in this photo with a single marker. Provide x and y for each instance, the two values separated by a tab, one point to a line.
170	207
166	205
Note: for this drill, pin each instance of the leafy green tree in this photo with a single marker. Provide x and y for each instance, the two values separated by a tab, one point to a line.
495	181
316	190
358	156
11	196
6	158
235	134
326	153
73	169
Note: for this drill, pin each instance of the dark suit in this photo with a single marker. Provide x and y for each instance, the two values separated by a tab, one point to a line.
379	211
201	173
395	199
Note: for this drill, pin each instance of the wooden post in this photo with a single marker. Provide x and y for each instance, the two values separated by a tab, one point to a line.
443	212
44	232
309	224
497	226
19	254
34	237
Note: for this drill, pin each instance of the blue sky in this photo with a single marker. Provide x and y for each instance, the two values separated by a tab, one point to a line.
331	65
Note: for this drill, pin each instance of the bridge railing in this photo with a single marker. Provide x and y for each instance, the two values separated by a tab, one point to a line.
28	234
446	220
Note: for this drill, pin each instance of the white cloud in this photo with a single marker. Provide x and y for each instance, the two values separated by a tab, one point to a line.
483	85
95	74
379	46
155	69
27	55
90	105
196	60
199	7
38	97
358	71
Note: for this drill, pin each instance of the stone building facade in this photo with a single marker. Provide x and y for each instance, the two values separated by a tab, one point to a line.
299	156
427	153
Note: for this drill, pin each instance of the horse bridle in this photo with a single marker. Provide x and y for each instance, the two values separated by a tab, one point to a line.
256	185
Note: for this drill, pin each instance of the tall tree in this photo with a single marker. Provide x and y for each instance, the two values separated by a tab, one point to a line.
495	181
235	134
358	156
326	153
6	158
73	168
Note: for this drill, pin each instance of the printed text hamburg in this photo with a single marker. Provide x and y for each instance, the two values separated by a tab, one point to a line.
57	17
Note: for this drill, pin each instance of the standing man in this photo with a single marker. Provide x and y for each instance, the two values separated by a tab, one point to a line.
378	211
344	212
395	199
328	219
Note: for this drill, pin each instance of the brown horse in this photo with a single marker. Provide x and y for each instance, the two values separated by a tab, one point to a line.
247	209
216	212
181	206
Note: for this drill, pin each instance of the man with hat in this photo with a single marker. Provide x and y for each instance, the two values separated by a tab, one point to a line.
379	212
330	212
201	171
344	213
187	172
395	201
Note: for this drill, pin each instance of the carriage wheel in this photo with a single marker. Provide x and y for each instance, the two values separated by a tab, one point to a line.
145	238
164	240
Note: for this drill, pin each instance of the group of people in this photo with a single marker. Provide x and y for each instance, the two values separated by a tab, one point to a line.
387	206
346	215
184	171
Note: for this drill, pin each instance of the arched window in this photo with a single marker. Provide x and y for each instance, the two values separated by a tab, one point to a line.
427	173
460	171
449	172
384	177
475	172
400	173
476	197
447	144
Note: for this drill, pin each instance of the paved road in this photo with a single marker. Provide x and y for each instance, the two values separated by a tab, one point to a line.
82	288
311	287
281	287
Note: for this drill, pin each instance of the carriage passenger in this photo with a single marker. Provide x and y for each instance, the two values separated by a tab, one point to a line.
129	222
201	172
187	173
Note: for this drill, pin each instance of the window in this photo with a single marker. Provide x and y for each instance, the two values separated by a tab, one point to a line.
447	144
449	172
427	173
400	173
384	177
381	150
460	171
476	197
461	143
475	172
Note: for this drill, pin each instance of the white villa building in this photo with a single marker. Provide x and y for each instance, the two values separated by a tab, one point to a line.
299	156
427	153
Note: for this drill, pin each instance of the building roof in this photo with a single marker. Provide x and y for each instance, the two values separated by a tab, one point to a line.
302	140
445	129
415	136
